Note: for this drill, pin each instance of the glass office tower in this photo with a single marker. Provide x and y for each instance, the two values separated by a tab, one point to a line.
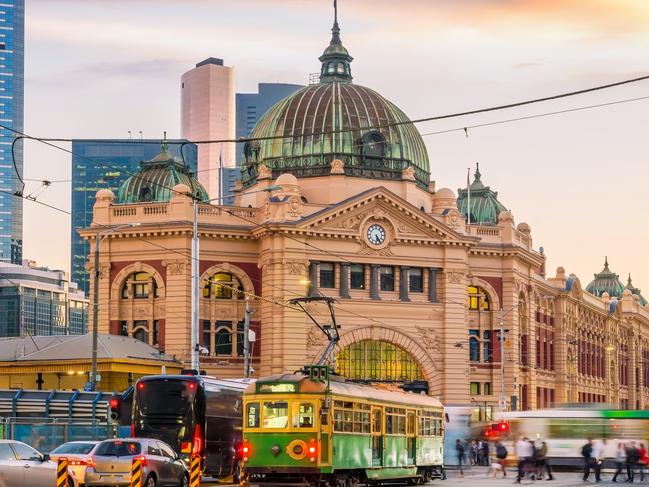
12	84
98	164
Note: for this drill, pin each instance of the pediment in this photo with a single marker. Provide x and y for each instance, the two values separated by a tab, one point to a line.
407	223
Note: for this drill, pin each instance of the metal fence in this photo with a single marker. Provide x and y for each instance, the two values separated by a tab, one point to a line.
45	434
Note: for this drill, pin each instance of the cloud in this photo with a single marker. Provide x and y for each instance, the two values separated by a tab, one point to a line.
527	65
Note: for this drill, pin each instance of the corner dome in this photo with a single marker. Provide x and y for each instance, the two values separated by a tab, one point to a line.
485	207
634	290
606	282
335	119
156	180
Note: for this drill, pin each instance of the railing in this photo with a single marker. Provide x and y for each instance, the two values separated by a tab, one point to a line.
156	212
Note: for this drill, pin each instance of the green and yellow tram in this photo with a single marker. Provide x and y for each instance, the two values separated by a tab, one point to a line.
328	432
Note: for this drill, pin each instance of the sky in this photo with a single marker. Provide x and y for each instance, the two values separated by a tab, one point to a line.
99	68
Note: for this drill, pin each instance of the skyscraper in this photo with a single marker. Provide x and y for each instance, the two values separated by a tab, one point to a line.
207	113
252	106
12	84
98	164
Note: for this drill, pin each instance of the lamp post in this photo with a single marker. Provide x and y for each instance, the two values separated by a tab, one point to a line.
502	400
95	304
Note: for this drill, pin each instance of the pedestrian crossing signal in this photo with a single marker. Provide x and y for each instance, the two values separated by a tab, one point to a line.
317	372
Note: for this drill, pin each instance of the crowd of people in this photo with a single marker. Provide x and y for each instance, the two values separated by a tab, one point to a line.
630	460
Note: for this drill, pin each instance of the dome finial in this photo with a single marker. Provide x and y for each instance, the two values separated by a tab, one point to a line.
335	58
477	174
165	144
606	262
629	284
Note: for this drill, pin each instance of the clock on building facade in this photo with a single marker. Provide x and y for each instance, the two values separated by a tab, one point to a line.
376	234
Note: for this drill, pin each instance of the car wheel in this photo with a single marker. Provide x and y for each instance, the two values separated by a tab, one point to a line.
185	481
150	481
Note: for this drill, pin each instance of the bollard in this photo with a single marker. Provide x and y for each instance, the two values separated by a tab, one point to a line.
62	472
136	472
195	471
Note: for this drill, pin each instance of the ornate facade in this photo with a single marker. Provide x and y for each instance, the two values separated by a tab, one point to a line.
421	294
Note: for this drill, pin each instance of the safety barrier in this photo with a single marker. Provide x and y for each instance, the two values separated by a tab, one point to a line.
62	472
136	472
195	471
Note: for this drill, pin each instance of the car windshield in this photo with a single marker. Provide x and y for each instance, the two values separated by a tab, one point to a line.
118	449
73	448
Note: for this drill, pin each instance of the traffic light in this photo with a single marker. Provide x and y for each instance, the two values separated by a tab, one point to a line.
114	406
503	427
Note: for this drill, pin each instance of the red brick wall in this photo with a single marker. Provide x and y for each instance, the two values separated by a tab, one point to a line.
496	283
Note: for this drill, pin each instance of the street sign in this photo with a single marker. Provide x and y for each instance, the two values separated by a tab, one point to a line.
502	404
252	336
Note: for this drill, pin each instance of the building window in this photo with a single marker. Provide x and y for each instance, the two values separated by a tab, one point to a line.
416	284
123	328
220	286
478	299
140	285
386	278
475	388
326	274
207	336
486	389
223	339
474	345
357	276
376	360
487	347
373	145
156	332
141	330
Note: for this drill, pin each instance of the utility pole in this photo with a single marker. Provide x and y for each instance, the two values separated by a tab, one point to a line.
95	316
195	301
246	340
502	401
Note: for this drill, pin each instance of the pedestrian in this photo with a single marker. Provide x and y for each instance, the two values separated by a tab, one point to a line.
459	449
620	460
632	458
587	453
542	462
473	452
524	453
643	460
501	457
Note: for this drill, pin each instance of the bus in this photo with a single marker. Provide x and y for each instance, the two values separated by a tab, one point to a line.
566	429
194	415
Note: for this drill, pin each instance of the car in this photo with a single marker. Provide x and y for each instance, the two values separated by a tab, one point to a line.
110	463
23	466
76	452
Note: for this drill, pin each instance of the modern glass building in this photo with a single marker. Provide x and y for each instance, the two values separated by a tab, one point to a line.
38	301
107	163
12	83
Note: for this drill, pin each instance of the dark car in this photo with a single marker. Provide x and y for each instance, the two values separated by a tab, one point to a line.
110	463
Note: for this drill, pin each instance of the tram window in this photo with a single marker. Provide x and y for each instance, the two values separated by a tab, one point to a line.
410	426
304	415
376	421
275	414
252	413
348	421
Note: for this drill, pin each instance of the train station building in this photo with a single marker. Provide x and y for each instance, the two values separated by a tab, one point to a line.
336	199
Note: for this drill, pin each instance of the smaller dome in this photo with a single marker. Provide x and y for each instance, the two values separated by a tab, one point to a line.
444	193
286	179
181	189
606	282
524	228
635	291
485	207
105	194
156	180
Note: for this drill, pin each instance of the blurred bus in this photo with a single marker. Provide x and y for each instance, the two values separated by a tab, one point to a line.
565	430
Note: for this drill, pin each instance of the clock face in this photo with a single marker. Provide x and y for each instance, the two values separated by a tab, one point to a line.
376	234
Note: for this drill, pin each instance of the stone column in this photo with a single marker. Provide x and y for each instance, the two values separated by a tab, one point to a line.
313	278
374	281
344	280
432	285
404	272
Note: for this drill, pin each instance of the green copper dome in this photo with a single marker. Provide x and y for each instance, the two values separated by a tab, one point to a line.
336	119
485	206
606	282
636	291
155	180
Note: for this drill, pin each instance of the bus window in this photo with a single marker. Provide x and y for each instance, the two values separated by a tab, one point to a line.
304	417
275	414
252	415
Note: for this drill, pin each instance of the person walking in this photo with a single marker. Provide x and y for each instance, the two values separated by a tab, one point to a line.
459	449
632	457
643	460
542	462
620	461
524	453
501	456
599	449
587	455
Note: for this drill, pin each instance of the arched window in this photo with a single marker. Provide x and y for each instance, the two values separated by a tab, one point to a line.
223	341
375	360
478	299
220	286
373	144
140	285
341	68
141	334
331	68
145	194
474	345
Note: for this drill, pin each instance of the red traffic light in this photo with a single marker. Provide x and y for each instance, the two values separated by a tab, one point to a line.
113	402
503	426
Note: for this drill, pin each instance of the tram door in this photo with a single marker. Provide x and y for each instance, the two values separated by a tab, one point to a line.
325	436
377	436
410	437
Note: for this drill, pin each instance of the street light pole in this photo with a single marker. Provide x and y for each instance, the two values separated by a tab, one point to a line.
195	285
95	302
502	401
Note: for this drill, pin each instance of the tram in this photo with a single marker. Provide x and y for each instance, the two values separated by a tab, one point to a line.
315	429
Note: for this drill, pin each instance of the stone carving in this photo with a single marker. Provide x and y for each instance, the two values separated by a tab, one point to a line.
337	167
428	338
174	267
408	173
140	312
315	338
404	228
296	267
367	250
295	206
264	172
455	277
351	223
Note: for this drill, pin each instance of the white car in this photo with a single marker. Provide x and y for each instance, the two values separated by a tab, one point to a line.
23	466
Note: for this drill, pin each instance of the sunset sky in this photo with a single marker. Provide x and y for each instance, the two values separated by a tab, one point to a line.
581	180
